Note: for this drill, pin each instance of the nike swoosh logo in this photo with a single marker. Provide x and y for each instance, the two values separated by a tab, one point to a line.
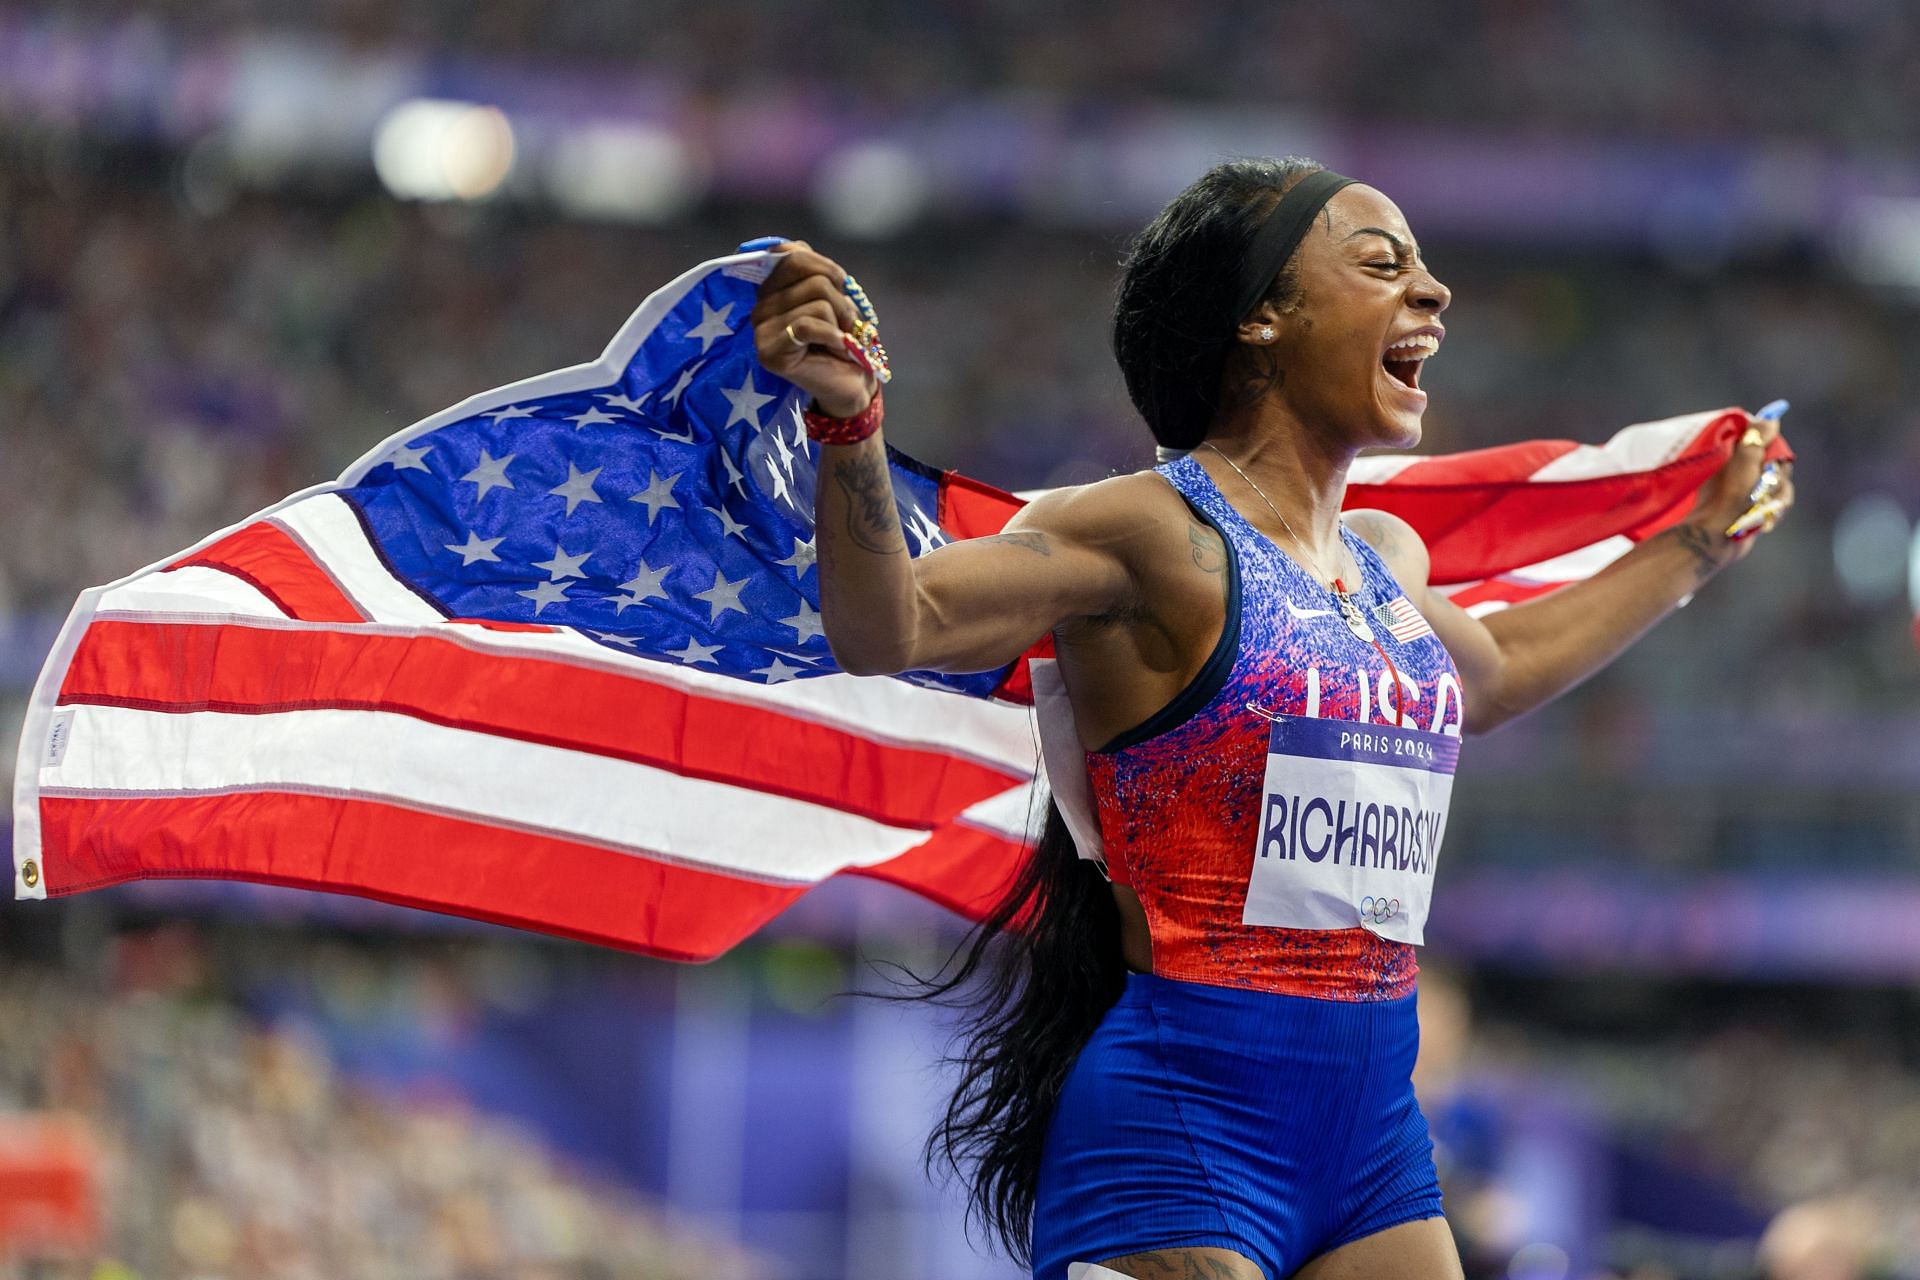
1298	612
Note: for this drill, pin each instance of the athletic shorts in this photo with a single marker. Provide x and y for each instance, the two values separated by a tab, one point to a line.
1276	1126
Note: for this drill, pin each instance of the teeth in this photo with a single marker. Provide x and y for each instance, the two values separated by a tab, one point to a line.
1417	347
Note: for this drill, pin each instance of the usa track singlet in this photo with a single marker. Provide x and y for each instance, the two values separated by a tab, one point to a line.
1192	815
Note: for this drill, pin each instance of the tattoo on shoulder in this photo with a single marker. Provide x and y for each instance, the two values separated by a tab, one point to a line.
1031	539
872	522
1209	552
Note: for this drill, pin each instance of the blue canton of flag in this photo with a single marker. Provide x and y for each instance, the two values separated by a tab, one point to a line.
659	502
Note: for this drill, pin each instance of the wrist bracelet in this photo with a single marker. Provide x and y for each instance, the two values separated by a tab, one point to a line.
829	430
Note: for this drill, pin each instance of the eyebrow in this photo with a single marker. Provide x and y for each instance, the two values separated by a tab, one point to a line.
1384	234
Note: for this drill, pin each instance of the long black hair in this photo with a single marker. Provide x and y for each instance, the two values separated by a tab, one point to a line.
1173	327
1040	972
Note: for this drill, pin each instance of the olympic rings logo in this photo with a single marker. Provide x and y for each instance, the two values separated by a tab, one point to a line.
1379	910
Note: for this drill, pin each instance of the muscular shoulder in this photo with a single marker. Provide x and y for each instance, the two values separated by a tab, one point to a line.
1402	548
1120	515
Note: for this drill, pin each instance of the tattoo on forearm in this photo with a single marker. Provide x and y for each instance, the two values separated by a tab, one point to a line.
1700	545
1208	551
1031	540
872	522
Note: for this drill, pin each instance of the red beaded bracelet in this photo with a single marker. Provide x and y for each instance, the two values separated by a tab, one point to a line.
828	430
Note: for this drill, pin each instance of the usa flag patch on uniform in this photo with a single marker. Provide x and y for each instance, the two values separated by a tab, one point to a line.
1402	621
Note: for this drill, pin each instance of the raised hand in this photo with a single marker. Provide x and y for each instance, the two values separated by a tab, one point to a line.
799	325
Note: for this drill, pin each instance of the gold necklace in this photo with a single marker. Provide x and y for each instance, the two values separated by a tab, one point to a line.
1349	611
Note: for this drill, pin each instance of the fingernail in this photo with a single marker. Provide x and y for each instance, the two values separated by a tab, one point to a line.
1774	411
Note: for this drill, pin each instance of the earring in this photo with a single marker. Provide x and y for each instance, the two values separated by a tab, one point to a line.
1266	333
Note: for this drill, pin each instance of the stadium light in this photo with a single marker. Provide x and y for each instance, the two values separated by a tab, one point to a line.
871	190
1869	546
624	172
434	149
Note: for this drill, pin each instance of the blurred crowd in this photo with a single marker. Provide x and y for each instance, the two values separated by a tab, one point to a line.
228	1147
1705	69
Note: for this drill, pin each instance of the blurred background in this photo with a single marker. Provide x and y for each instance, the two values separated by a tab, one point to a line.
1672	1000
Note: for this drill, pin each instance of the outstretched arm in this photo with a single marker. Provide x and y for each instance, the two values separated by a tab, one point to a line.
969	606
1525	656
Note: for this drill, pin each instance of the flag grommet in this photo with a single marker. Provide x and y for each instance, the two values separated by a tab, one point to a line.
30	873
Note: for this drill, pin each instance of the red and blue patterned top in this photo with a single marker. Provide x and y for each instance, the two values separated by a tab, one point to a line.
1179	796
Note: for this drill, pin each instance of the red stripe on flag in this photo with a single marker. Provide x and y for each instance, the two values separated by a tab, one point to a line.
1505	590
963	868
415	859
183	667
1475	529
264	555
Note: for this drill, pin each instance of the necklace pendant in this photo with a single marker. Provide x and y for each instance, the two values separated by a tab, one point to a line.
1355	620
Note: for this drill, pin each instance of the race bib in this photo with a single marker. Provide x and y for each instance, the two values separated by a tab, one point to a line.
1350	826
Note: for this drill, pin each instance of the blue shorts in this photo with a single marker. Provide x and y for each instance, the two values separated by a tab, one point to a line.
1276	1126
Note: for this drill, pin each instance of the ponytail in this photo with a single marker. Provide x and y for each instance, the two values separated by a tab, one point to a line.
1040	972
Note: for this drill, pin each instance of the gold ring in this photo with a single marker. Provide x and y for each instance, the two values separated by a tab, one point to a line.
1753	434
796	341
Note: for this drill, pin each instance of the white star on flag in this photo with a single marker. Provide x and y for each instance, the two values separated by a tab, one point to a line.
577	488
644	585
806	623
512	411
746	400
490	474
776	671
627	403
722	595
408	457
477	548
695	652
564	564
544	594
591	418
658	494
712	327
679	388
729	527
801	560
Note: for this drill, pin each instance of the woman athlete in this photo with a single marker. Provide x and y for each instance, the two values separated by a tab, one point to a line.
1202	1068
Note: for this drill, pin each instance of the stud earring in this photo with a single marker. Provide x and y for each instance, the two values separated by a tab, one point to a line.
1266	333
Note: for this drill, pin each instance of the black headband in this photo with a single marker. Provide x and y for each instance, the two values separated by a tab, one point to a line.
1275	242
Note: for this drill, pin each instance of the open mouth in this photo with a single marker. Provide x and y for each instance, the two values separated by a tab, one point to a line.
1403	359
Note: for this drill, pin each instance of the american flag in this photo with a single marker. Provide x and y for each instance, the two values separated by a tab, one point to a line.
553	658
1402	621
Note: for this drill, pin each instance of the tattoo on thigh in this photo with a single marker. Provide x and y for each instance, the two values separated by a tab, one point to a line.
872	522
1185	1264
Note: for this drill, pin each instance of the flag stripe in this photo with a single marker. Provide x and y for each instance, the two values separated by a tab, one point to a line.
193	591
499	780
235	669
330	530
886	711
266	556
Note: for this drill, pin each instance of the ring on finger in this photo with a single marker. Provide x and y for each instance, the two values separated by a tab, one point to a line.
1753	435
795	337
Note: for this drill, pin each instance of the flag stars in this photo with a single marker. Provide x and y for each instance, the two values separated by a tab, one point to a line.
722	596
806	623
644	585
511	412
801	560
679	388
746	400
490	474
735	477
927	533
777	671
626	403
578	487
408	457
729	527
658	495
593	417
476	548
712	327
614	637
564	564
544	594
695	652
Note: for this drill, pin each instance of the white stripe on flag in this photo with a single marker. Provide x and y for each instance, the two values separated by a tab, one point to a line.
331	532
393	758
1641	447
195	591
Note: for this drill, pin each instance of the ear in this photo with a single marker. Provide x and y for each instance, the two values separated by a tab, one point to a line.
1261	328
